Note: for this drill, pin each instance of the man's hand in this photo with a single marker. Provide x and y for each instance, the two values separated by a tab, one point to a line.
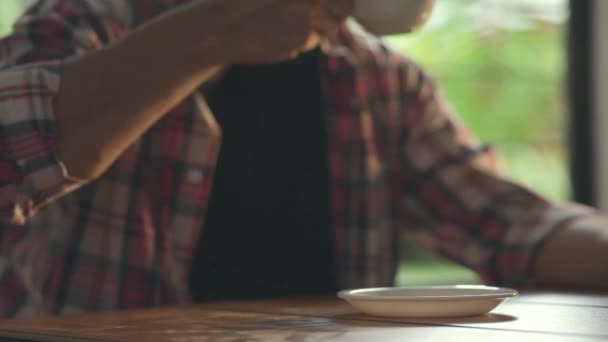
576	257
262	31
110	97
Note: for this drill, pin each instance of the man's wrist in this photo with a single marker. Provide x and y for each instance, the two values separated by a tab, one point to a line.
575	257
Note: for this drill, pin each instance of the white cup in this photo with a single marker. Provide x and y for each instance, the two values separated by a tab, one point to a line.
385	17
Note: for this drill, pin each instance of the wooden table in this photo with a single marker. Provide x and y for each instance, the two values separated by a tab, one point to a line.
532	317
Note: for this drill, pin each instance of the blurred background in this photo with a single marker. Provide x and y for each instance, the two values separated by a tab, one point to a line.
502	63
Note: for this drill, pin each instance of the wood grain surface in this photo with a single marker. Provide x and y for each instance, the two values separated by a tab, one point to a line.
541	316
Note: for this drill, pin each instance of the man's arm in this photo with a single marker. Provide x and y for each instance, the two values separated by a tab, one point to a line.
102	101
461	207
30	77
110	97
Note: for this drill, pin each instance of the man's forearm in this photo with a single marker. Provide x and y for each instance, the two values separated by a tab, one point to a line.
110	97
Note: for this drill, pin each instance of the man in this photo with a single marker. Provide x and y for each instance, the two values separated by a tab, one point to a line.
111	116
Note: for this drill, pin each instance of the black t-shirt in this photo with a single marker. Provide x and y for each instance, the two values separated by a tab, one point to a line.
267	229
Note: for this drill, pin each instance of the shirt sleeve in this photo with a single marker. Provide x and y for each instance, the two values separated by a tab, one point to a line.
457	201
31	60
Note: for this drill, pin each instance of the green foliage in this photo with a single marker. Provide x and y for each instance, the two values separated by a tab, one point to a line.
9	10
427	273
505	76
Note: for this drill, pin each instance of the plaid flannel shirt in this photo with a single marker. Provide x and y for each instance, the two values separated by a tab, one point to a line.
399	162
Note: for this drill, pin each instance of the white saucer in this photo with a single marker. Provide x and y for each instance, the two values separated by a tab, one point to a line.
427	302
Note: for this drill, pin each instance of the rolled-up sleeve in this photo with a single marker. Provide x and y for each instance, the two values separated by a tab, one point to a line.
31	58
30	173
457	201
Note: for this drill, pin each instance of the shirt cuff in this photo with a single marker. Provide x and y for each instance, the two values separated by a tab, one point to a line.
515	263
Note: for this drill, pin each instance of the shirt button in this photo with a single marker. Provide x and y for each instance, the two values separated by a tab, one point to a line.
194	176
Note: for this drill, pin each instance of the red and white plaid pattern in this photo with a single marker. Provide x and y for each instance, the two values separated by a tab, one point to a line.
400	162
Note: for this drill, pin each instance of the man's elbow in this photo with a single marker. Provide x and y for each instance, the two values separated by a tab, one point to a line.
11	211
83	162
